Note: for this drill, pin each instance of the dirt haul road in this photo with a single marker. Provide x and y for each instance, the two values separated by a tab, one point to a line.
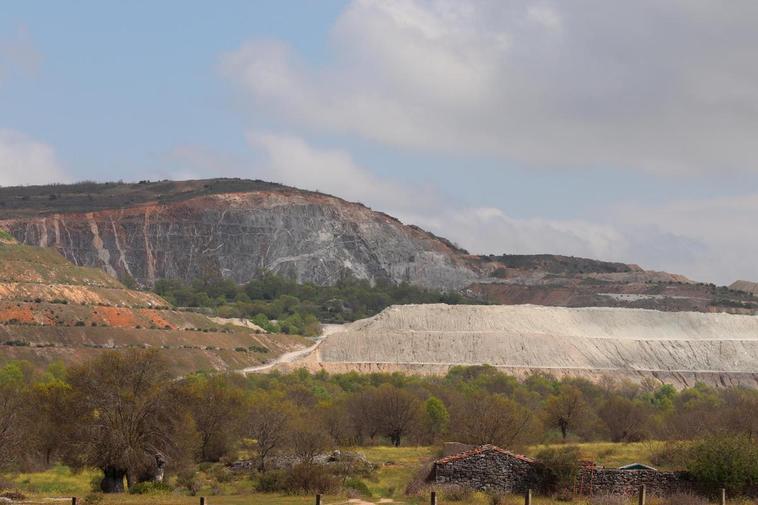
680	348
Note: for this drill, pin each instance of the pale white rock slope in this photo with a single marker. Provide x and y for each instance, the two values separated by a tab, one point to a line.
675	347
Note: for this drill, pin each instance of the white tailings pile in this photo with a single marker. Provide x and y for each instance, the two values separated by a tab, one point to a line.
675	347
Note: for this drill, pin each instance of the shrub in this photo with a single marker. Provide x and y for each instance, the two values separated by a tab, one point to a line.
271	481
560	467
725	462
357	485
188	480
311	478
222	474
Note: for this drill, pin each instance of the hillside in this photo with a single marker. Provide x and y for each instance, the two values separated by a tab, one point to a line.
679	348
235	229
745	286
53	310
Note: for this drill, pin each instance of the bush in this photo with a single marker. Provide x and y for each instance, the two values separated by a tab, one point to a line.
725	462
305	478
150	488
188	480
560	467
271	481
222	474
358	486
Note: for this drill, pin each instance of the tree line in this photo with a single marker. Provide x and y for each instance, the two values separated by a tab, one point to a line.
297	308
122	413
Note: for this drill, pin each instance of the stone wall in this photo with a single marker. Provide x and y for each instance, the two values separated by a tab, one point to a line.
595	480
490	468
488	471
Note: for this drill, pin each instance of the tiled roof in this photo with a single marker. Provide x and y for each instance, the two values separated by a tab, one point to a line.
480	450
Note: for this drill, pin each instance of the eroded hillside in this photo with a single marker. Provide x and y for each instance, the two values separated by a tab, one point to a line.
53	310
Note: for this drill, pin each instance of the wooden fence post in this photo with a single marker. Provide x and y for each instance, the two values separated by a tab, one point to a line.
643	492
723	496
202	500
528	497
318	499
433	498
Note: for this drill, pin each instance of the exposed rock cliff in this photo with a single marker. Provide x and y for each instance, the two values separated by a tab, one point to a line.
309	236
237	228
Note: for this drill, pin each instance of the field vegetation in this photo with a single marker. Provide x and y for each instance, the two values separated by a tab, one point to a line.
297	308
121	424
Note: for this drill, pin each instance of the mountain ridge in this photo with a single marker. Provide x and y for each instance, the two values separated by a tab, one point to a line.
236	229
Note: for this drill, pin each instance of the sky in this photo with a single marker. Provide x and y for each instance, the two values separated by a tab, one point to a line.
624	131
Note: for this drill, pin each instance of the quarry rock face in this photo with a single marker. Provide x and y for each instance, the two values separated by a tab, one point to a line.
237	229
306	236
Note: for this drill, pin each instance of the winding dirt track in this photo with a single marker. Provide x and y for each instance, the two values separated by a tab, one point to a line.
294	356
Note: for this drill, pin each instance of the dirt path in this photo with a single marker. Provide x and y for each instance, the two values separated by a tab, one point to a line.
291	357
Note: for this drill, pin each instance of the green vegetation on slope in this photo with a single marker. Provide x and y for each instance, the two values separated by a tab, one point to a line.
297	307
117	411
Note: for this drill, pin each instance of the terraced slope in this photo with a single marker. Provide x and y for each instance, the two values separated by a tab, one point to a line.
675	347
52	310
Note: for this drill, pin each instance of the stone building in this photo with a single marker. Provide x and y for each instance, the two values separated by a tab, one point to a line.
487	468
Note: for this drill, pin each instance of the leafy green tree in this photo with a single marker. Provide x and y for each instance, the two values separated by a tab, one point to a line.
217	406
437	417
566	410
125	417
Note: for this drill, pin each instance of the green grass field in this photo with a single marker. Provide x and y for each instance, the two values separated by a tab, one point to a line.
396	467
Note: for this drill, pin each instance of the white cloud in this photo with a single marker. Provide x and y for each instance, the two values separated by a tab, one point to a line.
290	160
662	87
706	239
709	238
24	160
